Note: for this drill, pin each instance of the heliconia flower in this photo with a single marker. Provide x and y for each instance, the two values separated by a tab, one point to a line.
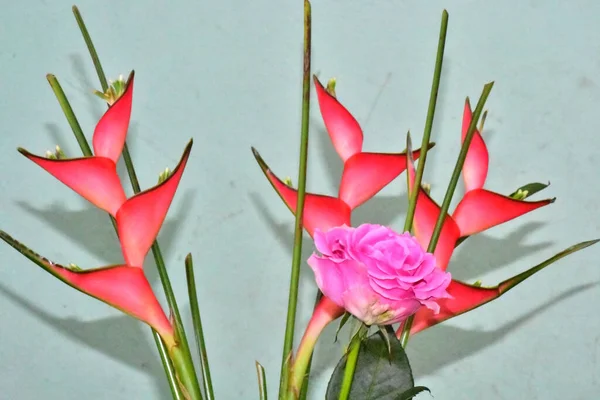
379	276
364	174
479	209
95	178
122	287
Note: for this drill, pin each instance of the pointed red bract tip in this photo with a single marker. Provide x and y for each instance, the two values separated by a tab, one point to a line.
124	288
140	218
426	215
481	209
94	178
365	174
465	298
111	130
322	212
344	131
475	167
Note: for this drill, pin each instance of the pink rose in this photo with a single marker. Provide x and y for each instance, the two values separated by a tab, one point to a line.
379	276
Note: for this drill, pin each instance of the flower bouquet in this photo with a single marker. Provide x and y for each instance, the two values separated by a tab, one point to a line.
382	283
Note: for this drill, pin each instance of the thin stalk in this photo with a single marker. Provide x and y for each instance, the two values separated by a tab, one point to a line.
186	357
298	230
487	88
69	114
435	86
85	149
195	310
451	188
262	381
91	48
351	363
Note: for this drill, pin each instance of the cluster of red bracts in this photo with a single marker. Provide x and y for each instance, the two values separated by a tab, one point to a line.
365	174
138	218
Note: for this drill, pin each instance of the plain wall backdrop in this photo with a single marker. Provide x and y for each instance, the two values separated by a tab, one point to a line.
227	73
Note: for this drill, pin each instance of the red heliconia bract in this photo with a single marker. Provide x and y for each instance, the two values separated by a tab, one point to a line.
364	174
478	210
138	218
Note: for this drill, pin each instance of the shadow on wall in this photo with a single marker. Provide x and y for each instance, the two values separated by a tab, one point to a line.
91	229
115	337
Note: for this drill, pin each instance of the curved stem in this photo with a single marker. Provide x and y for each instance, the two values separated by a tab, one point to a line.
325	312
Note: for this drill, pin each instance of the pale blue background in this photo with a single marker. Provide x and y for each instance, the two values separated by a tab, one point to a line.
228	74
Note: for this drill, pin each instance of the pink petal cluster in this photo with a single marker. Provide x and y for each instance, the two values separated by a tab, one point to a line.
379	276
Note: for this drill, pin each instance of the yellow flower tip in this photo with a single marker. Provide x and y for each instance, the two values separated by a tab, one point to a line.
164	175
288	181
426	187
330	88
520	195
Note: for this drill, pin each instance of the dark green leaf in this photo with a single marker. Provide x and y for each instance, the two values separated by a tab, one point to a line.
378	375
410	393
528	190
343	321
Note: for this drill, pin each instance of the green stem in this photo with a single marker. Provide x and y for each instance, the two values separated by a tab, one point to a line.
69	114
195	310
298	231
85	149
91	48
193	388
351	363
435	236
167	364
435	86
262	381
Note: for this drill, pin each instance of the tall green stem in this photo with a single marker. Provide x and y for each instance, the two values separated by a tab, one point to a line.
298	229
184	359
435	236
201	344
435	86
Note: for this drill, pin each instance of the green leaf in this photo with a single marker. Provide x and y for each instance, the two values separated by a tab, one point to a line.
528	190
262	381
410	393
343	321
378	374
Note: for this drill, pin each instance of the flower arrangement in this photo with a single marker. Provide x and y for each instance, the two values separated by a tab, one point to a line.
383	283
